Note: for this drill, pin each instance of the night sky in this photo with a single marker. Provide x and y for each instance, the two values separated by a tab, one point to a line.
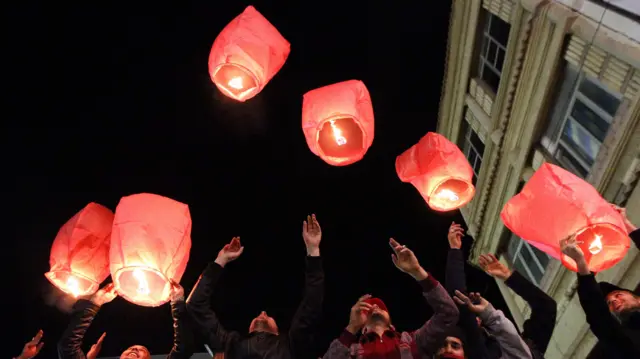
112	100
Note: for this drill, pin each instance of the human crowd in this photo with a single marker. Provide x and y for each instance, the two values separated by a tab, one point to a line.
464	325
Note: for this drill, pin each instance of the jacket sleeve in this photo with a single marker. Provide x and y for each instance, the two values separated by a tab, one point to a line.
539	327
505	333
603	325
310	309
200	313
455	280
69	346
341	348
182	333
445	315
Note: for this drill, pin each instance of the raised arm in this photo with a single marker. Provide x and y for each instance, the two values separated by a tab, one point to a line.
198	304
445	312
70	344
502	329
310	309
182	333
540	325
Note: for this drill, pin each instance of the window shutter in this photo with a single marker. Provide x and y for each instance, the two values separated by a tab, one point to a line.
500	8
614	73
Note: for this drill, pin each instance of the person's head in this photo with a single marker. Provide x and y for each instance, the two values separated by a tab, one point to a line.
452	346
136	352
379	315
263	323
620	301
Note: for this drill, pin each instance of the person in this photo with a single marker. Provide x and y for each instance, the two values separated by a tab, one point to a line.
69	346
32	347
497	325
538	329
613	313
379	337
264	339
477	345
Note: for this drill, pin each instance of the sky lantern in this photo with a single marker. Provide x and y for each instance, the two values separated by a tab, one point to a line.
150	245
247	53
337	121
80	252
555	204
439	171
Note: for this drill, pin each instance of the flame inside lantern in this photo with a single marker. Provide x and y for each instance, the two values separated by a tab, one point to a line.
236	82
72	283
451	194
142	285
342	138
596	245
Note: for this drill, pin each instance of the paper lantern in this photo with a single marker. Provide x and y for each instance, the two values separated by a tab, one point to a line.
80	252
247	53
554	204
337	121
150	245
439	170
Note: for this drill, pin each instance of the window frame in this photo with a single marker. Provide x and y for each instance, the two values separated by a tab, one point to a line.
468	146
518	257
485	39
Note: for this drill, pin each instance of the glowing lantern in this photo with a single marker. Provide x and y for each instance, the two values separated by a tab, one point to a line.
247	53
80	252
337	121
554	204
150	245
439	171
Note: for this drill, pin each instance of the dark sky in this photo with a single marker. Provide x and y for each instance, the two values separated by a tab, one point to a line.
112	100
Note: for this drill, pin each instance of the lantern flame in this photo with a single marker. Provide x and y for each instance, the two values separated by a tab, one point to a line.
236	83
596	246
143	285
73	286
447	194
337	133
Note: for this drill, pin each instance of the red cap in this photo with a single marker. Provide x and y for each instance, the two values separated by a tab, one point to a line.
378	302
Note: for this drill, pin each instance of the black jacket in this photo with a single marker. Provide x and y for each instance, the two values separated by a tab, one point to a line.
259	345
69	346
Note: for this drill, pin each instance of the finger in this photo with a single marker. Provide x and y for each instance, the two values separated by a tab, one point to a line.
459	301
462	297
482	261
493	257
364	306
393	243
39	347
101	339
316	224
404	250
394	259
364	297
305	227
37	338
240	251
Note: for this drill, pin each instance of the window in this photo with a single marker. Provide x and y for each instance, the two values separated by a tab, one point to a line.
494	47
580	121
527	259
473	148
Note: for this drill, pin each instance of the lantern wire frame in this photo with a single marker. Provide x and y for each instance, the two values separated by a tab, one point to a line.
245	95
465	191
60	279
605	230
126	282
342	160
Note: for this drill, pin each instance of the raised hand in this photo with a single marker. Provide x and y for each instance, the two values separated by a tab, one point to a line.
630	227
474	301
95	349
104	295
569	246
404	259
32	347
358	316
177	292
230	252
455	235
493	267
312	235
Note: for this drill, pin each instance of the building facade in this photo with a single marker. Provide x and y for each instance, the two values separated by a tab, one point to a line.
534	81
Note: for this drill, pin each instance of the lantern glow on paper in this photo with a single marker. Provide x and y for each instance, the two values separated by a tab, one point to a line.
247	53
555	204
80	252
338	123
439	171
150	245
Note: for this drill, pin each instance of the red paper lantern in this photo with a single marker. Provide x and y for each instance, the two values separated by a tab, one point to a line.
554	204
440	172
150	245
247	53
80	253
337	121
